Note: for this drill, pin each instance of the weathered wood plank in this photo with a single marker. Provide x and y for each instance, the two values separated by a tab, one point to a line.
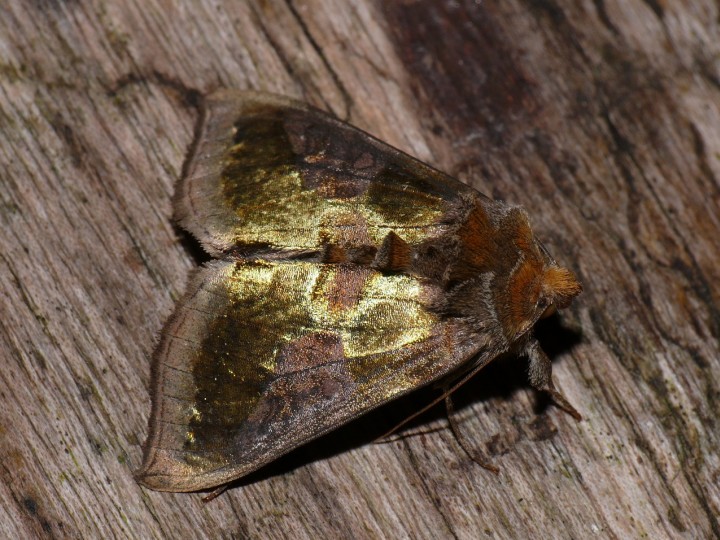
601	118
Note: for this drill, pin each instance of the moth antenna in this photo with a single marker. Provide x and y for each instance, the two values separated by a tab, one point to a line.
434	402
463	440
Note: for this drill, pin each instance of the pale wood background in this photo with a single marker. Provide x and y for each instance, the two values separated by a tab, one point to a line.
601	117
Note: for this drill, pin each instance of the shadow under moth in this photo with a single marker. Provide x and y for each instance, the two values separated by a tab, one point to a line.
345	274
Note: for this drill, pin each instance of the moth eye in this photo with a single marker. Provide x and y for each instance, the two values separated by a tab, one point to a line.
550	310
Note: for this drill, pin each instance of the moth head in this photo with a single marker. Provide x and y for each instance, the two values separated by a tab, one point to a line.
537	286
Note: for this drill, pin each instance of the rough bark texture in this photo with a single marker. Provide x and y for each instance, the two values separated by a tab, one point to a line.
601	117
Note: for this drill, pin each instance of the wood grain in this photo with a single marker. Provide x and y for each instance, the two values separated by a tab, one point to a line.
601	117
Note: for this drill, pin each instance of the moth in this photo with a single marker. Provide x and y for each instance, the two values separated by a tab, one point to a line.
345	273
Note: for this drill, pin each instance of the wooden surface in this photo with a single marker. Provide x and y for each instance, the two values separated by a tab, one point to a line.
601	117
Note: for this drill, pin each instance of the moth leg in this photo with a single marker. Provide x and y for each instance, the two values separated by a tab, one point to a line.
540	372
462	439
215	493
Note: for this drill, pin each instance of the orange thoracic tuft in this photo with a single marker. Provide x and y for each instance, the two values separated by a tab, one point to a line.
560	285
